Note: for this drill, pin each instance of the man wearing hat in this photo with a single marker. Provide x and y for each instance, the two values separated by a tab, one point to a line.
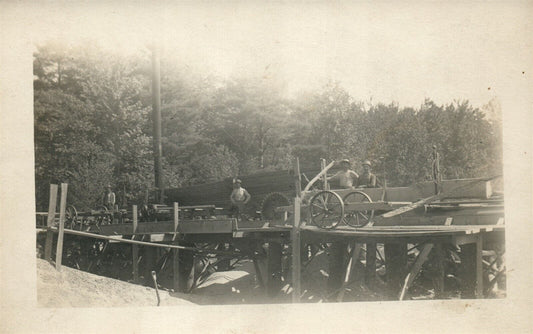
109	198
239	198
347	177
367	179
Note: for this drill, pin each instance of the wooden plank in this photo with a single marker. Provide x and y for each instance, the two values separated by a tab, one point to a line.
455	187
62	208
296	260
185	226
479	218
350	232
415	269
49	223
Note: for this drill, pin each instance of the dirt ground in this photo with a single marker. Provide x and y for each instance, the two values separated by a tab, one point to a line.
75	288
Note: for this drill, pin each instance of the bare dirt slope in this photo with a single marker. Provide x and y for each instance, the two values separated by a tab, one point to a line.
75	288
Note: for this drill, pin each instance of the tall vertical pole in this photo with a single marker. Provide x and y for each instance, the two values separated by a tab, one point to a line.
62	209
156	115
297	178
325	176
296	259
50	222
135	248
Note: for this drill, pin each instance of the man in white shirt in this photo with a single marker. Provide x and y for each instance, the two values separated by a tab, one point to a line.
239	198
347	177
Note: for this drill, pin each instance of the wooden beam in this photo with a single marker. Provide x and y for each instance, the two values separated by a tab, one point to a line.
370	268
274	268
471	271
176	252
297	178
135	248
452	190
439	255
176	210
296	260
396	264
415	269
258	272
318	176
336	265
325	176
197	226
62	208
50	222
355	252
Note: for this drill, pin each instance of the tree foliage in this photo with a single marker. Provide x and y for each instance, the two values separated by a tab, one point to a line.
93	127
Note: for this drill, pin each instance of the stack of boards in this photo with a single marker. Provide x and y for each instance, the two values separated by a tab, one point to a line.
217	193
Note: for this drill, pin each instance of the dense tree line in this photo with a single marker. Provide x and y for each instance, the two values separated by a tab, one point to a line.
92	114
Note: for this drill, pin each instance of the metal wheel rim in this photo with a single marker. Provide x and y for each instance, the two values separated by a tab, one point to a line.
358	218
326	209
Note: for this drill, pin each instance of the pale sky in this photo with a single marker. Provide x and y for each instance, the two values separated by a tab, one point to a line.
381	52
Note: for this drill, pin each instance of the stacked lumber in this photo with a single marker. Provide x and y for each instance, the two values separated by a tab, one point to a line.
217	193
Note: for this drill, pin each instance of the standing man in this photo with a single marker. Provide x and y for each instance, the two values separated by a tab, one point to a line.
367	179
109	198
239	198
347	177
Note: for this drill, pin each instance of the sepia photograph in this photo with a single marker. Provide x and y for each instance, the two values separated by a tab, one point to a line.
332	156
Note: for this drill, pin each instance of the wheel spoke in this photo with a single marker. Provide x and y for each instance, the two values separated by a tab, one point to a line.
320	207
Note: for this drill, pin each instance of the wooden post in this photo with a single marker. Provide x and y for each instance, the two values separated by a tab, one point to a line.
176	220
471	272
274	268
354	257
296	260
61	232
297	178
336	261
438	279
50	222
396	264
420	260
175	258
135	248
479	266
370	268
325	176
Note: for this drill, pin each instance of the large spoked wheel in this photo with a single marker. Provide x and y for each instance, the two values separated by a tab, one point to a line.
326	209
72	216
357	218
270	203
